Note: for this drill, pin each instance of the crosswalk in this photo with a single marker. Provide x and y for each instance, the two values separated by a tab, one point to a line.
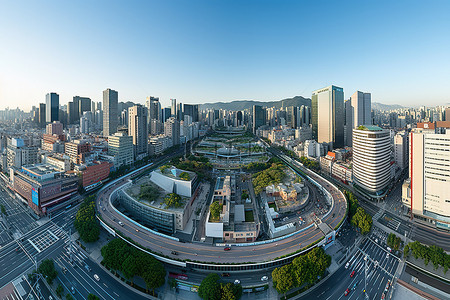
41	240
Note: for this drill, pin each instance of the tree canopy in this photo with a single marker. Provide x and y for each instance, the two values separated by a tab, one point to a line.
212	289
47	269
85	221
431	253
273	175
215	208
362	220
118	255
173	200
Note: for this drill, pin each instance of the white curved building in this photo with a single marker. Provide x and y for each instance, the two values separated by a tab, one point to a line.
371	159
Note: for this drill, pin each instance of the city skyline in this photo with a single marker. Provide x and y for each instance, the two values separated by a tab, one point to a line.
206	52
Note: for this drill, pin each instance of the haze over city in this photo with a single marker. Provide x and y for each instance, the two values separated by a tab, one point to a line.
208	51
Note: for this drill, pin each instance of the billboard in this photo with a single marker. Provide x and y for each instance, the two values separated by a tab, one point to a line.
35	196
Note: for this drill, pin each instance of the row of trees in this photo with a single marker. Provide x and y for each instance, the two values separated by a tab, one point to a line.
212	289
85	222
273	175
309	163
394	241
431	253
357	215
305	269
118	255
198	164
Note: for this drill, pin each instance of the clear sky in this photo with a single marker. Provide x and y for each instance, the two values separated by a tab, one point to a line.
207	51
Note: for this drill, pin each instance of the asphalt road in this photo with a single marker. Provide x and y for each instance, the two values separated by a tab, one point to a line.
336	285
208	253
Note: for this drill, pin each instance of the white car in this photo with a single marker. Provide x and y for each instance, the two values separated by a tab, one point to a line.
237	281
96	277
264	278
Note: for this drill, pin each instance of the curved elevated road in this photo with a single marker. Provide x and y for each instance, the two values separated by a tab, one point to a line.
212	254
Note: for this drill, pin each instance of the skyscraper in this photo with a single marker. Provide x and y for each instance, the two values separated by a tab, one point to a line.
154	112
137	128
84	104
51	107
371	159
42	117
173	107
258	114
172	130
328	116
191	110
110	113
359	113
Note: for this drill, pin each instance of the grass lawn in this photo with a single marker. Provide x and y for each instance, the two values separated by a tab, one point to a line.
273	205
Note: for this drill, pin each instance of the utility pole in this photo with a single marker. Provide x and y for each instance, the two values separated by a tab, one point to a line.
365	276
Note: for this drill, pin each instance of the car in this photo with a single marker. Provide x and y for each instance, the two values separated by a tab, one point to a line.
225	274
387	255
96	277
352	274
227	248
174	252
347	264
237	281
121	224
72	289
264	278
137	230
347	291
64	270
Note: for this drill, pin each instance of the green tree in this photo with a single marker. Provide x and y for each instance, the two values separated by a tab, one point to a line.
59	290
130	268
215	208
230	291
85	221
210	287
362	220
154	274
172	200
185	176
283	279
244	194
47	269
93	297
69	297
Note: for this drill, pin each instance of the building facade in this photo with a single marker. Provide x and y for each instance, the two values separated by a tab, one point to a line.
328	116
51	107
110	112
371	160
137	128
120	146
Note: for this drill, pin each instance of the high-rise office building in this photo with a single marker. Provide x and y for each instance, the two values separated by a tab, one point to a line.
371	160
328	116
426	192
165	114
191	110
154	113
401	149
51	107
258	115
137	128
42	112
173	107
359	113
110	113
172	130
84	104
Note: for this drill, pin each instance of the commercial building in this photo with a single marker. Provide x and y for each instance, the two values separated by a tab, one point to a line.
42	112
93	172
18	155
401	149
42	187
173	108
55	127
426	192
77	150
170	181
120	146
371	160
154	114
110	112
358	111
84	104
192	111
172	130
51	107
258	115
328	116
137	128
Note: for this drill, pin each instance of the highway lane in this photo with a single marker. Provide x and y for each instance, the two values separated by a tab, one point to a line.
209	253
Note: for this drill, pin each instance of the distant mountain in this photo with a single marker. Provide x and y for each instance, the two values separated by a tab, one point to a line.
381	106
247	104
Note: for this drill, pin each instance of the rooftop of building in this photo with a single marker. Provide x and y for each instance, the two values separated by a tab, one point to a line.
40	169
369	128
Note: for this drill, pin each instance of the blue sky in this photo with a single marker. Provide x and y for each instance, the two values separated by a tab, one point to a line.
207	51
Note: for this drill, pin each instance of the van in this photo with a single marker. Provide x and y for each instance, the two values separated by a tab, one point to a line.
96	277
